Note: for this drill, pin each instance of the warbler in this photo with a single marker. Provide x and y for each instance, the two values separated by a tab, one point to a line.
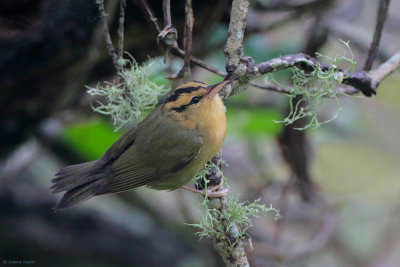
164	151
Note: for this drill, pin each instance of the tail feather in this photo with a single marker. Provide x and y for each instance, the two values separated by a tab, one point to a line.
78	194
72	176
81	182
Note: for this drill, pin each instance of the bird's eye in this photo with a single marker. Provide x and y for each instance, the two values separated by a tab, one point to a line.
195	100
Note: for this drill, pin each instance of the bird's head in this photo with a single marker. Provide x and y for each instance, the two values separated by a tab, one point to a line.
193	100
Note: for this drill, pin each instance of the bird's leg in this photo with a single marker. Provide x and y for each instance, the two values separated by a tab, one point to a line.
211	191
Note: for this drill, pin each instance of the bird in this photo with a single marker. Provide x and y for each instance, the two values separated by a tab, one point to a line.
164	151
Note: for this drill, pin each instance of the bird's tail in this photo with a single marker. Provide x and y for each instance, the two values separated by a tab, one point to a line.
80	182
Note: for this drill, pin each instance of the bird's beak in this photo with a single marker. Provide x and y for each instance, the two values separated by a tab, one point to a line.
213	89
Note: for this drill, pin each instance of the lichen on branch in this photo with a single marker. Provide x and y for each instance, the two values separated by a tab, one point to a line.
137	92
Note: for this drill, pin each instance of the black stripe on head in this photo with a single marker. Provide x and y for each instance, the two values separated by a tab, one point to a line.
181	108
178	92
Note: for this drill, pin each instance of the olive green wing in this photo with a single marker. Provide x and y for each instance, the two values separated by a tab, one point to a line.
159	148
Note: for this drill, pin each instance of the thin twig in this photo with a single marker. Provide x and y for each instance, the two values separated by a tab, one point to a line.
270	87
169	35
80	75
386	68
167	13
189	20
380	22
149	14
109	44
198	61
122	6
208	23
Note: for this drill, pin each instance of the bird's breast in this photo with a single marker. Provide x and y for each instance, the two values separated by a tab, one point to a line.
212	127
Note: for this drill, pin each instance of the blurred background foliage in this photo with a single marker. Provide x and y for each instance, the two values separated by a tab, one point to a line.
49	52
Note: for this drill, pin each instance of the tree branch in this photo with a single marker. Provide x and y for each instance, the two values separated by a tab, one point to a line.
270	87
189	21
229	244
234	45
167	12
385	69
122	6
360	80
109	44
148	12
380	21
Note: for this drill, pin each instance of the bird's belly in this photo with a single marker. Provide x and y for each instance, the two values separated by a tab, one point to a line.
179	178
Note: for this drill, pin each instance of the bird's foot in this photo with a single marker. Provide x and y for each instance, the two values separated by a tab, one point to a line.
211	191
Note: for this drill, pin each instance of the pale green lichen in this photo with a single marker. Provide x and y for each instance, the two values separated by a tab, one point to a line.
137	92
313	88
234	219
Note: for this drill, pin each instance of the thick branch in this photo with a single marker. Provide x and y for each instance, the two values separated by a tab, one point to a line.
373	50
228	244
237	25
360	80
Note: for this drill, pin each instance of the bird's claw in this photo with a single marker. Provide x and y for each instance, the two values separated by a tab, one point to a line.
211	191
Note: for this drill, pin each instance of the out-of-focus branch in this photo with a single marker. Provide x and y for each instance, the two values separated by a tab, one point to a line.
385	69
296	11
260	28
345	31
148	12
81	75
208	24
198	61
294	253
380	22
18	160
270	87
284	5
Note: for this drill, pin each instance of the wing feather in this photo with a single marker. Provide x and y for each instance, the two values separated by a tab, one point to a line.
156	148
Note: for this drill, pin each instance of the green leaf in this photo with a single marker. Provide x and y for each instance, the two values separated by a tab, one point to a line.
254	122
91	139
